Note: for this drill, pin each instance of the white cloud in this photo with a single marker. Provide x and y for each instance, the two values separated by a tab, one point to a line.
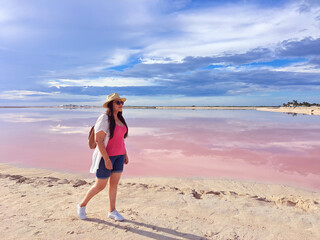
213	31
102	82
159	60
299	68
23	94
117	57
120	57
48	99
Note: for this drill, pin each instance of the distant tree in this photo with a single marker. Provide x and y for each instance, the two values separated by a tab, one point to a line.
306	104
295	103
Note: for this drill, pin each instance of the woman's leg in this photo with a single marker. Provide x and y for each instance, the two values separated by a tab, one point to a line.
113	186
99	185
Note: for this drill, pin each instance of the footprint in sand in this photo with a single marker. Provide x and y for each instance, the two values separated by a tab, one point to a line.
47	213
37	233
50	220
130	212
63	181
79	183
52	179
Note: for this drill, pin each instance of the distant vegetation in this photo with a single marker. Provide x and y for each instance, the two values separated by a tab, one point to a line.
295	103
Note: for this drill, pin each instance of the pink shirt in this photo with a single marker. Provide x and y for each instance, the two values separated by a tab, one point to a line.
116	144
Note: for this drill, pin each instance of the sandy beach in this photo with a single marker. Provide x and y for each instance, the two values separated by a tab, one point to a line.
41	204
301	110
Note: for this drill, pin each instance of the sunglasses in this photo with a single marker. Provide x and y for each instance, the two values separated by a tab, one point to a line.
119	102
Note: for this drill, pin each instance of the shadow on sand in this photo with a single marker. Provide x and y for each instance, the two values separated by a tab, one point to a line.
149	234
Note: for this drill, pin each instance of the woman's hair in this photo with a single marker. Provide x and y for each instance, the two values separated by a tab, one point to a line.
112	122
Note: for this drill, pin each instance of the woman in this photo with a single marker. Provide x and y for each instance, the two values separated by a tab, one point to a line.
109	155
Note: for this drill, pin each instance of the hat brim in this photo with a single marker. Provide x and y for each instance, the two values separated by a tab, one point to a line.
105	105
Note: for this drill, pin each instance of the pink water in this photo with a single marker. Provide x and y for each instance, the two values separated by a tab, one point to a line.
236	144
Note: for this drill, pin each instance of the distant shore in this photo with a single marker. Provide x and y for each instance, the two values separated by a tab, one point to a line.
150	107
314	110
293	110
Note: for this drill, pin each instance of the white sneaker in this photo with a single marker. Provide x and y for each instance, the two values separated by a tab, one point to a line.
81	212
115	215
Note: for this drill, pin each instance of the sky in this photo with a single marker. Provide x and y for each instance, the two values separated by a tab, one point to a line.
159	52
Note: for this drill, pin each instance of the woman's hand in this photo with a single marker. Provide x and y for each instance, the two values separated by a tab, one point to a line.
126	159
108	164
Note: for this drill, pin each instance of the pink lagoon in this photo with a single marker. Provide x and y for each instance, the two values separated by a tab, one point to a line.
250	145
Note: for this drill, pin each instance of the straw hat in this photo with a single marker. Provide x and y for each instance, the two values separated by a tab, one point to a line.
111	97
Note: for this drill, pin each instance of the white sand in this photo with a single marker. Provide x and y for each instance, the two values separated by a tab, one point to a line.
41	204
301	110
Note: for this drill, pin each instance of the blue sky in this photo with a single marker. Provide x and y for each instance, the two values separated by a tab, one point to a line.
159	52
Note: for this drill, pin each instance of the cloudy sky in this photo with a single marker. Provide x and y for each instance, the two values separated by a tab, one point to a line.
159	52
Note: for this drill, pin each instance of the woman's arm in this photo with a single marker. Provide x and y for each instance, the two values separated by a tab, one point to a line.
126	159
100	143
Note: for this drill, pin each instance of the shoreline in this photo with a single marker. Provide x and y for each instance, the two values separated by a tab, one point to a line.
314	110
150	107
293	110
40	203
16	167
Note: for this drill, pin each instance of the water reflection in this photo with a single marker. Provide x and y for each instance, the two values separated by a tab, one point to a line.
293	114
241	144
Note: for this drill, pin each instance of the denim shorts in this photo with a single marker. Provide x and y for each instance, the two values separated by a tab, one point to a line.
117	166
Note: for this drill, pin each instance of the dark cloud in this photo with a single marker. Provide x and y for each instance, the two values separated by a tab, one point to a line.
189	78
289	48
307	47
303	48
307	5
262	78
186	90
254	55
195	63
315	61
211	83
